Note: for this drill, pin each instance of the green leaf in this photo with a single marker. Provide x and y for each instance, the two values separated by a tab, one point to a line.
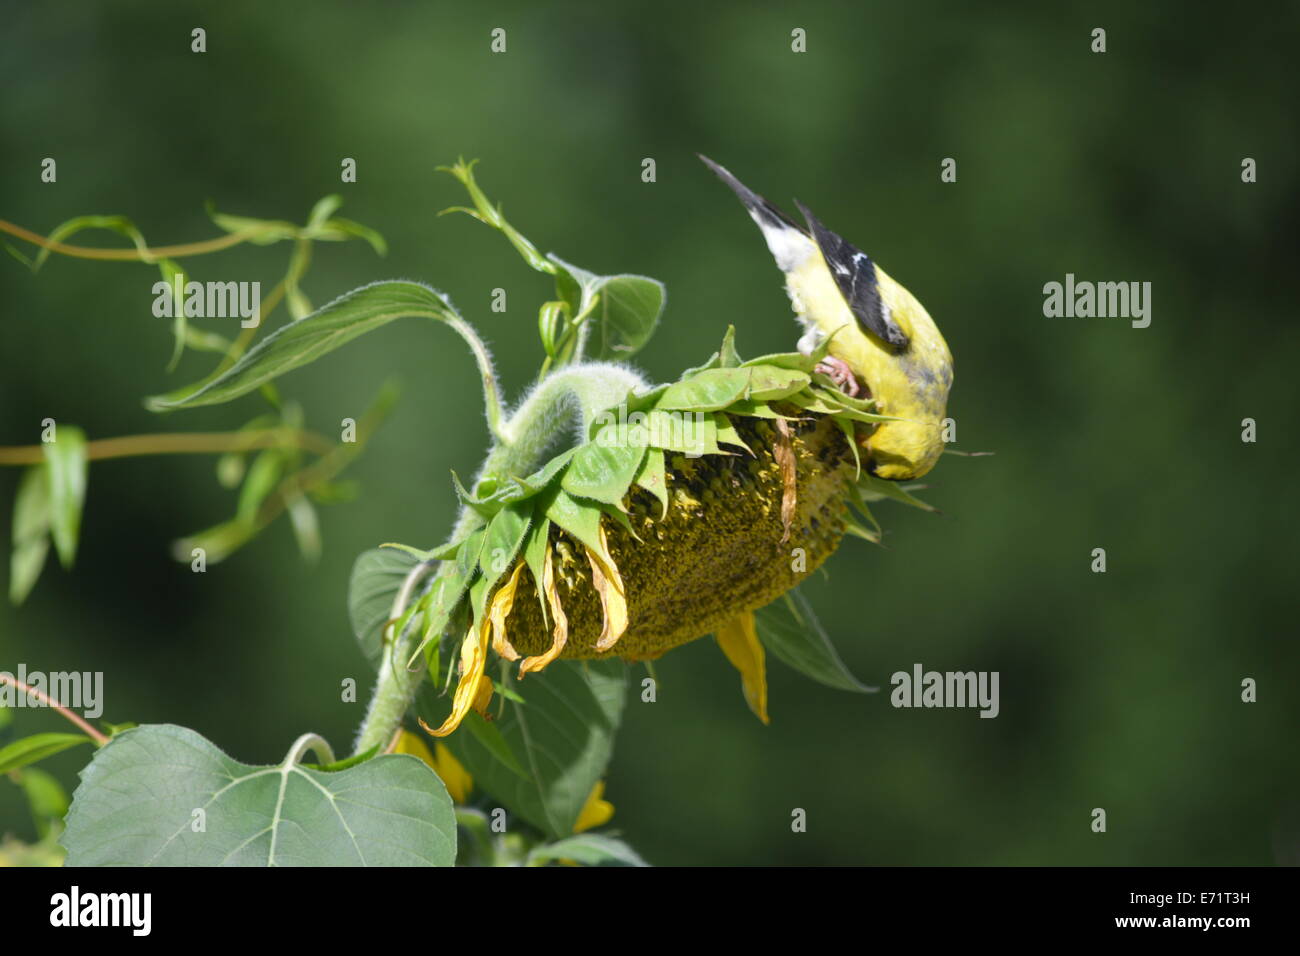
137	800
503	539
563	737
37	747
623	310
692	433
218	542
604	468
748	409
65	457
727	355
294	345
46	799
175	278
582	521
263	476
539	535
873	489
203	341
31	532
835	402
653	477
306	526
468	556
589	849
626	317
489	735
339	229
727	434
709	391
791	360
119	224
268	231
539	480
769	383
485	212
789	628
377	575
439	605
325	207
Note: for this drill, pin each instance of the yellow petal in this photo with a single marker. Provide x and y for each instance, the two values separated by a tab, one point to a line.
739	641
450	770
502	604
613	596
561	632
473	661
483	696
596	811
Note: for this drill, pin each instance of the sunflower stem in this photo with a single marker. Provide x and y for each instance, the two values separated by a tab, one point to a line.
566	399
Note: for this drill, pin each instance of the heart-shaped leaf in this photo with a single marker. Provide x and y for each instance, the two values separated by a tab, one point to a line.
626	314
162	795
377	575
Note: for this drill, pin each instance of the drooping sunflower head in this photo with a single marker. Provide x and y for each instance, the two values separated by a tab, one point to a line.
689	507
721	547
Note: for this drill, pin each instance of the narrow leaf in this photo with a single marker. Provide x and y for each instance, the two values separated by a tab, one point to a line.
29	750
31	532
65	458
790	630
306	340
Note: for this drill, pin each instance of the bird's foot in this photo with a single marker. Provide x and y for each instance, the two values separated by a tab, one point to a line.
838	371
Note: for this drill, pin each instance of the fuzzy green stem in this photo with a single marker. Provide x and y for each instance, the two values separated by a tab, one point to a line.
574	395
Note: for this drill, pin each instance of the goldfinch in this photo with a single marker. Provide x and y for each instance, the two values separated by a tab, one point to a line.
885	344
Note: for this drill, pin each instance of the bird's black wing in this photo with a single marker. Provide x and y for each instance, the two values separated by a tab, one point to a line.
855	274
755	203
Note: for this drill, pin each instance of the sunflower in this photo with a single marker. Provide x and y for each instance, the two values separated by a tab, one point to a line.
689	506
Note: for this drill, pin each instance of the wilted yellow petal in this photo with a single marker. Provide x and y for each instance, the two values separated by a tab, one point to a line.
408	743
484	695
596	812
454	775
783	451
561	632
473	661
613	596
450	770
739	641
502	603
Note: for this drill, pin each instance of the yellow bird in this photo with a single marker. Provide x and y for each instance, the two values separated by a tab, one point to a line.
886	346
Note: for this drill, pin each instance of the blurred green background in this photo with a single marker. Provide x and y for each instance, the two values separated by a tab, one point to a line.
1119	690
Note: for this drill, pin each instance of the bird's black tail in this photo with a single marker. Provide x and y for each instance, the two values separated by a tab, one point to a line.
755	203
